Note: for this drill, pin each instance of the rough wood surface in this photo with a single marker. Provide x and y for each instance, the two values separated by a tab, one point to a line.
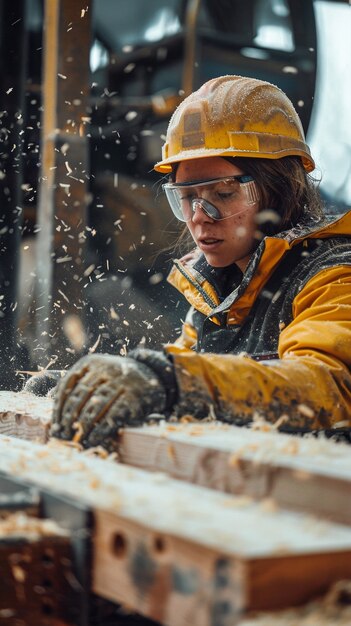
24	415
333	609
301	473
183	554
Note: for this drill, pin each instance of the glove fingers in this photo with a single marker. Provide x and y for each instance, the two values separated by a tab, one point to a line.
76	400
88	375
96	405
116	400
102	393
65	387
108	410
125	410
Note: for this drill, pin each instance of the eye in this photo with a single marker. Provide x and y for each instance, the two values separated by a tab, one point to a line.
187	196
228	194
228	191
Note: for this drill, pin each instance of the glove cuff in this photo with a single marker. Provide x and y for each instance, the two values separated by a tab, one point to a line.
163	367
42	383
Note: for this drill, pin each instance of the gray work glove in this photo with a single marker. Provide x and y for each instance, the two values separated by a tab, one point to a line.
102	393
44	383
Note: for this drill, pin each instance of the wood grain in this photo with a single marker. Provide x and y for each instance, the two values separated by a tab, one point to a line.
331	609
181	553
300	473
184	583
24	415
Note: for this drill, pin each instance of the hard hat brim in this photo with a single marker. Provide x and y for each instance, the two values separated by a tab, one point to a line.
165	165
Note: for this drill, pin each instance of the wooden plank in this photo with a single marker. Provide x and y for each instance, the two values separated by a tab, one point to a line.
184	554
332	609
25	416
186	583
300	473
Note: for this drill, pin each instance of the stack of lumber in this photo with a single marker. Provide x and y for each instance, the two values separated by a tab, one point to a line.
25	415
217	525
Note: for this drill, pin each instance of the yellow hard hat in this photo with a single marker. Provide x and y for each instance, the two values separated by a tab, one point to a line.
235	116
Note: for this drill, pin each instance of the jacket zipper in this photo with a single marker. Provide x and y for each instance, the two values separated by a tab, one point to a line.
195	284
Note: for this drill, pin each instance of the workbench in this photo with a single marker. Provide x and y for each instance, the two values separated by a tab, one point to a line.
194	524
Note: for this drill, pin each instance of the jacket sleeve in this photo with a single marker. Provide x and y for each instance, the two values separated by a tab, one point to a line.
308	387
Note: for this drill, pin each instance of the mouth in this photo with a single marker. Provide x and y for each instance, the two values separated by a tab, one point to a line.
209	243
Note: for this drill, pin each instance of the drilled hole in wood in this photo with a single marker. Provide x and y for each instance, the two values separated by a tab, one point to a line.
47	608
47	583
159	545
119	545
48	558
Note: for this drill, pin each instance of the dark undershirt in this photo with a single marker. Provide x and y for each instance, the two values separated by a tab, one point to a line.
223	279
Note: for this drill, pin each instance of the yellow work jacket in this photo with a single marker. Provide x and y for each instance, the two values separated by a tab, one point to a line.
279	345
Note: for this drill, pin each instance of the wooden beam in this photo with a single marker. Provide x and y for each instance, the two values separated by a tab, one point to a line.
63	193
183	554
25	416
299	473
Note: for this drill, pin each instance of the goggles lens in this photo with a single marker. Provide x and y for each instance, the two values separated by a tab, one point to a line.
219	198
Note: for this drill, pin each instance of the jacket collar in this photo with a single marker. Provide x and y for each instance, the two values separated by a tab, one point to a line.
192	276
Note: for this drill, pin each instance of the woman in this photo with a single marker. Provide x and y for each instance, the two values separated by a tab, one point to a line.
269	282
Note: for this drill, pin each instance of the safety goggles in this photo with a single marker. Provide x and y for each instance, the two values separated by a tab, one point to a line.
219	198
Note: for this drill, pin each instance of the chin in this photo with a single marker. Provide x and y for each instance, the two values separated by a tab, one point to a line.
218	262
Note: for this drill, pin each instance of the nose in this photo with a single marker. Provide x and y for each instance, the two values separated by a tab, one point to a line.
199	214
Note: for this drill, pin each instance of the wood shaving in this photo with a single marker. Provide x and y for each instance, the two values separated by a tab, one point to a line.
234	460
18	573
302	475
187	419
95	483
283	419
260	423
342	424
171	452
291	447
22	525
98	451
306	411
239	501
62	443
269	505
77	426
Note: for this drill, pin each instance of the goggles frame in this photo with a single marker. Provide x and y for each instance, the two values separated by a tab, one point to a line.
210	209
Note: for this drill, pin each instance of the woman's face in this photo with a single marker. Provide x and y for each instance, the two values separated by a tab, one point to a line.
227	241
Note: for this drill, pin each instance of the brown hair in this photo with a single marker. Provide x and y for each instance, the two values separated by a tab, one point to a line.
285	189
